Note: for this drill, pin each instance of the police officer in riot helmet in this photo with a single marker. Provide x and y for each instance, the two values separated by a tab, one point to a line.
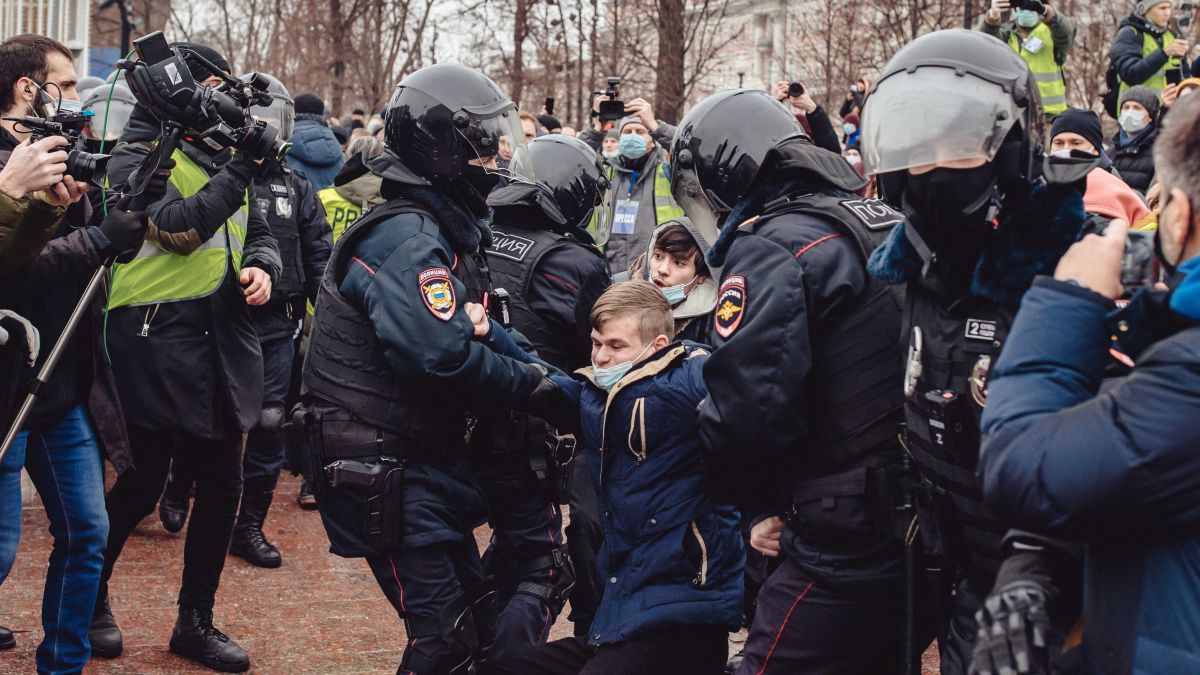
544	259
984	212
393	381
803	388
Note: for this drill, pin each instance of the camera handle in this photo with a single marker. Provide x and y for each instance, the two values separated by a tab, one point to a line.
135	203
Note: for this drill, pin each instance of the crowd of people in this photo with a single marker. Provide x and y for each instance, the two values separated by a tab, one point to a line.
852	387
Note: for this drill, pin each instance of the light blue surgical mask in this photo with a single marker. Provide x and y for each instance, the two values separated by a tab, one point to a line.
67	105
1132	121
608	377
677	293
632	146
849	128
1027	18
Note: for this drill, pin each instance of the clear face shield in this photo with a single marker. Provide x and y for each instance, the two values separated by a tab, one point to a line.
108	119
281	114
933	116
690	196
498	142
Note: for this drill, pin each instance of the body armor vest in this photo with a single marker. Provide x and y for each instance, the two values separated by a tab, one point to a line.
276	199
855	396
346	365
951	351
514	255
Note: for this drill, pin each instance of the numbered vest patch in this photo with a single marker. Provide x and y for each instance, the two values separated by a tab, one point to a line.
731	305
978	329
437	291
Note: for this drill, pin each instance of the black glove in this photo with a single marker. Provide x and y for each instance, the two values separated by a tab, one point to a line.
548	402
125	232
156	187
1013	627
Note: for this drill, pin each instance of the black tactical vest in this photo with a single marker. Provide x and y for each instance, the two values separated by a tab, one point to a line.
276	199
855	395
514	255
346	365
950	354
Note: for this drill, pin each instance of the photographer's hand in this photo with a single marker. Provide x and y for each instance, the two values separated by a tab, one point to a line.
781	89
644	111
994	12
257	285
124	231
64	193
1094	262
34	166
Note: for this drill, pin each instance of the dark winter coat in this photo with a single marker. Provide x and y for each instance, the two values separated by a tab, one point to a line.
316	154
1115	468
1125	54
1135	159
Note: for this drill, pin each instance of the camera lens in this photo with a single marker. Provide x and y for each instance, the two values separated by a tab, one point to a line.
795	89
84	166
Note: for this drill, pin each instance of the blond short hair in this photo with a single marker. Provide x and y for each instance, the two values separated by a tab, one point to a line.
635	298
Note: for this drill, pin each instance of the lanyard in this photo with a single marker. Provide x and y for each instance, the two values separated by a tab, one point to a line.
632	183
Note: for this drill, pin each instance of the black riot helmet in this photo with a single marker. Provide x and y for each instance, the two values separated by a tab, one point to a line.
281	114
570	171
444	115
721	147
954	95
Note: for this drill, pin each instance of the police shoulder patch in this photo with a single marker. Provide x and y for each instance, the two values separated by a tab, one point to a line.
731	305
873	213
437	291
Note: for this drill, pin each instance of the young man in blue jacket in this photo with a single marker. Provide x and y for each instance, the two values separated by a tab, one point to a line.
672	556
1115	467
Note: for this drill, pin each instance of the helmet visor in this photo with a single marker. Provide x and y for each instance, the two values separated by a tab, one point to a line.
498	143
931	116
109	119
690	196
281	114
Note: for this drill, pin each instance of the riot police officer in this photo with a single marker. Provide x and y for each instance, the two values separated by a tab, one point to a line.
552	271
802	409
290	206
982	216
393	379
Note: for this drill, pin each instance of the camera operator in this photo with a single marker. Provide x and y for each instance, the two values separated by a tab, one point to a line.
188	362
855	97
33	194
811	116
77	413
1147	51
1113	467
1042	37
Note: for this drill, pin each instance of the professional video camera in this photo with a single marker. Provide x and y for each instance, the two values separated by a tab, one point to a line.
613	109
219	118
52	120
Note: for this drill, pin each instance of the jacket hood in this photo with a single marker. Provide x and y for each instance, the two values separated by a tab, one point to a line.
703	298
1110	197
315	145
363	190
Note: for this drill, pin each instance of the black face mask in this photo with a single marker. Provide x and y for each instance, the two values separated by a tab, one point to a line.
946	196
478	183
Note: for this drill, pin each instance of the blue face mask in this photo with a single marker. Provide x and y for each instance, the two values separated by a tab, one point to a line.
607	378
677	293
632	146
1027	18
849	128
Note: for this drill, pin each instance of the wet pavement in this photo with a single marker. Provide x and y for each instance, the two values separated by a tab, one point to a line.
317	614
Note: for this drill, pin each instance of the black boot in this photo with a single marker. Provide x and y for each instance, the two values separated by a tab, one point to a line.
7	639
249	542
195	638
173	507
104	634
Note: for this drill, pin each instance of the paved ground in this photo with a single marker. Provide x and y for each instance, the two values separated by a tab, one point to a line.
317	614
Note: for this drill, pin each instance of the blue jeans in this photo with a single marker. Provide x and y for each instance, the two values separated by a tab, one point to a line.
64	462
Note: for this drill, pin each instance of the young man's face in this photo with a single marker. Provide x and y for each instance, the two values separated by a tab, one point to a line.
671	270
1069	140
610	144
619	340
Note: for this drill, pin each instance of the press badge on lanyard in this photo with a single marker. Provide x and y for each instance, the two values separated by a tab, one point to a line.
1033	45
625	215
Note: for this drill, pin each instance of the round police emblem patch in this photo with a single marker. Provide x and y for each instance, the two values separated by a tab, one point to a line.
437	291
731	305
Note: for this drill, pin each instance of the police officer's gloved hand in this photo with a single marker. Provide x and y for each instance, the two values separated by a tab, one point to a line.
1013	628
120	234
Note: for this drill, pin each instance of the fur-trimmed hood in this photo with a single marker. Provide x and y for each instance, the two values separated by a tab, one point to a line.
1028	242
703	298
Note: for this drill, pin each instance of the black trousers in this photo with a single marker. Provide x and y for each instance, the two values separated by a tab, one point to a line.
801	627
216	467
682	650
584	538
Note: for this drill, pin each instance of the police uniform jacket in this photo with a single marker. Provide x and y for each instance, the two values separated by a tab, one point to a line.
198	368
290	206
406	273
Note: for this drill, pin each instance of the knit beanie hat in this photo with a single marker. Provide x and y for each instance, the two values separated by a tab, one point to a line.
1079	121
309	103
1145	96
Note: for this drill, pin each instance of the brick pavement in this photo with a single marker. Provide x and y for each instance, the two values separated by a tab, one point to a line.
279	616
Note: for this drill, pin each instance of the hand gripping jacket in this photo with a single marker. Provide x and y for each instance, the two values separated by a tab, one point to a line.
346	364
